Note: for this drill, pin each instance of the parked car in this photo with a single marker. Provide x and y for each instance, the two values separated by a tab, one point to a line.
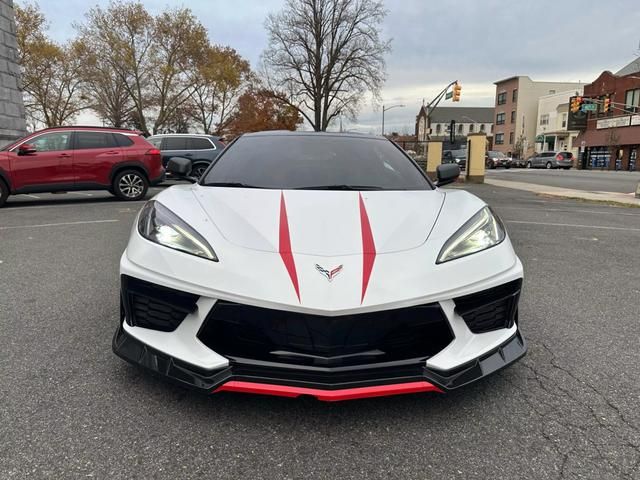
80	158
551	160
310	274
200	149
458	157
493	159
518	162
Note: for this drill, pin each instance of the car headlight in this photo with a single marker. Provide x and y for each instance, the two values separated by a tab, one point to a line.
160	225
484	230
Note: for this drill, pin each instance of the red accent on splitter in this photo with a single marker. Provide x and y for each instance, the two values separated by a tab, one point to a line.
327	395
368	248
285	246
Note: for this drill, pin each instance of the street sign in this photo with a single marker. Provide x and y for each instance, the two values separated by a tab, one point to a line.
589	107
448	95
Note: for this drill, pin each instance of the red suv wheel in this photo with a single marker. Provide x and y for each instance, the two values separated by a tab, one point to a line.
130	185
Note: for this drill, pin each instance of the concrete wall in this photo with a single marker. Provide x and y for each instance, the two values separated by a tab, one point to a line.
12	119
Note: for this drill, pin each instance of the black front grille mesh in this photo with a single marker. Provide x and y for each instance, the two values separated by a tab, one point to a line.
243	331
152	306
490	309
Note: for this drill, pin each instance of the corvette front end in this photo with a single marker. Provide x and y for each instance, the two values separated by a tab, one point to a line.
336	294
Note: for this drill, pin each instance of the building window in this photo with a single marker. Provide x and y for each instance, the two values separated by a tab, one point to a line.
492	128
499	140
500	119
482	127
513	116
514	97
544	119
438	129
460	128
502	98
564	120
511	136
632	100
551	92
471	128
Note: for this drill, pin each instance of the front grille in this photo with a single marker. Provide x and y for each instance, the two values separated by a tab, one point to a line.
153	306
490	309
246	332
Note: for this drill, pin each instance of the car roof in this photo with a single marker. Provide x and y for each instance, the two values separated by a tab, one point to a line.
289	133
185	135
88	127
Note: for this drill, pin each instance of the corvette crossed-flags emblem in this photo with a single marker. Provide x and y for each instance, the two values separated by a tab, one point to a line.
329	274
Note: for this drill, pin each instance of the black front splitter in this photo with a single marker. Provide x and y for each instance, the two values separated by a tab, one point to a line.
296	378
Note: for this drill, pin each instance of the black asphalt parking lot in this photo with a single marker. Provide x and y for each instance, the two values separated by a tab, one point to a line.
69	408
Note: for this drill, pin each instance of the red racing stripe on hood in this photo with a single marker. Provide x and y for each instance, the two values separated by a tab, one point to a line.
285	246
368	248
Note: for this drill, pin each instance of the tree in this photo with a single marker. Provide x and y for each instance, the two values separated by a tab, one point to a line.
221	76
107	90
51	79
180	41
324	55
258	110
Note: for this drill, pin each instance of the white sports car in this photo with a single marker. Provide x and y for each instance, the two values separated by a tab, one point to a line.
318	264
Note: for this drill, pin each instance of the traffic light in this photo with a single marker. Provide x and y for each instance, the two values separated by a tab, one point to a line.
606	104
576	104
457	88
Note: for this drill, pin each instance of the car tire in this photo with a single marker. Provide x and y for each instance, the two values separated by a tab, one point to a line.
4	192
507	167
528	165
548	166
130	185
198	169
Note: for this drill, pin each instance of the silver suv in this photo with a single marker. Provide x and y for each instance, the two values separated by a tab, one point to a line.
551	160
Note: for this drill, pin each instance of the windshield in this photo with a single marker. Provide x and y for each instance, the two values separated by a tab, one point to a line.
497	155
315	161
459	153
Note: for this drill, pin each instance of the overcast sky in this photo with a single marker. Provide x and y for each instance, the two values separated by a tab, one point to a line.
437	41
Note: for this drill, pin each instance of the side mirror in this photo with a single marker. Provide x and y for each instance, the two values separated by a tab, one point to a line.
447	173
180	167
26	149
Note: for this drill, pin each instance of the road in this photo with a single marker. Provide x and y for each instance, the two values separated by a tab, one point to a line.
590	180
69	408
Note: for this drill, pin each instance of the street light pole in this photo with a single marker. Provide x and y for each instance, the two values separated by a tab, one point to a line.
384	109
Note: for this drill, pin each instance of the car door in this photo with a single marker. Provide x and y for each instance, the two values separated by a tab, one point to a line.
94	155
50	165
174	146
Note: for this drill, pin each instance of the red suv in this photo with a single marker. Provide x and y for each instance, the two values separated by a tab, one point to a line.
80	158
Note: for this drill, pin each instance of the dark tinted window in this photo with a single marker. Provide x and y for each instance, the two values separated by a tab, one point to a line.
566	155
175	143
51	142
199	143
123	140
95	140
316	161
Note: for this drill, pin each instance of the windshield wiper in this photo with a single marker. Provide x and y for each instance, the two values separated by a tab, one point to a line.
341	187
230	184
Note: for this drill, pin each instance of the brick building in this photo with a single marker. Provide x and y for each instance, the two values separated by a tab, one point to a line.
611	139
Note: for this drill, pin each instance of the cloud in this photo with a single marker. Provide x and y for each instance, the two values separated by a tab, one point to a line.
435	42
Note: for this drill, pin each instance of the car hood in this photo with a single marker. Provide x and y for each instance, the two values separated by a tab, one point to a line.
321	223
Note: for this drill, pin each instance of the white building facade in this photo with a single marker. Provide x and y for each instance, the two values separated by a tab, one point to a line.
551	126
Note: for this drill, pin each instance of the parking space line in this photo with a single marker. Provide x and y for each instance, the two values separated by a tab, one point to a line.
87	222
569	210
15	207
599	227
81	194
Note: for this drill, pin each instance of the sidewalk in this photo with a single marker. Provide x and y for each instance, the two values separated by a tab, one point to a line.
623	199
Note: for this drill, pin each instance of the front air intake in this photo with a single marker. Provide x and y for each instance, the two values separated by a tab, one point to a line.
148	305
490	309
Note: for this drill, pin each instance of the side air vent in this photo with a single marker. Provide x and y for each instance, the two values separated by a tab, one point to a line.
490	309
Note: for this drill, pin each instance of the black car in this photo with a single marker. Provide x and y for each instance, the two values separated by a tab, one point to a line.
200	149
459	157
